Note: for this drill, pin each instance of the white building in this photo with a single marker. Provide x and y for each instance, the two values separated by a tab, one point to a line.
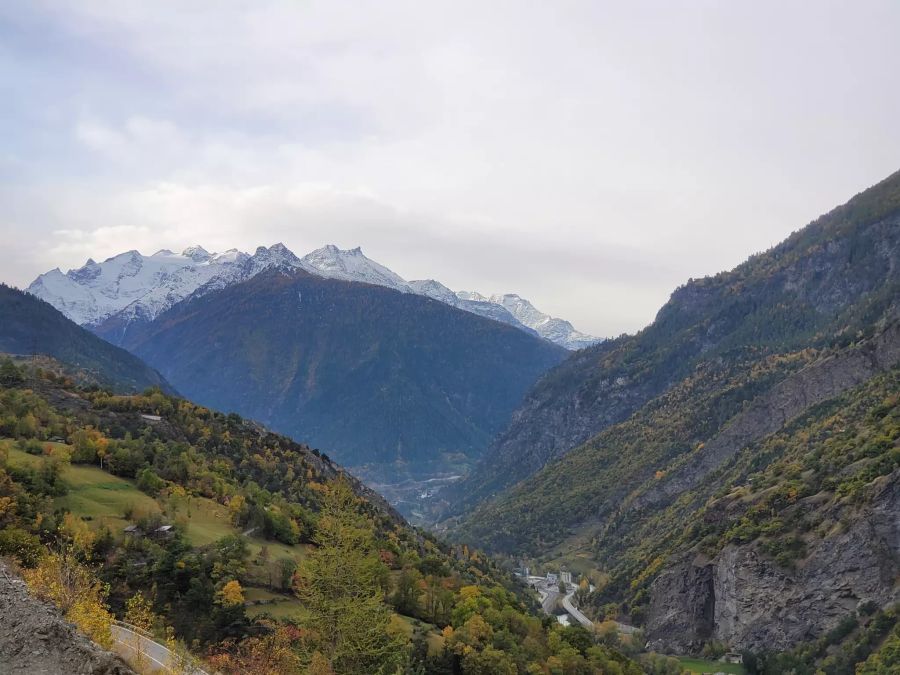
566	577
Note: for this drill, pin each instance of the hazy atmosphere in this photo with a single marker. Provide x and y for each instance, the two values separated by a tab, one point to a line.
587	156
450	338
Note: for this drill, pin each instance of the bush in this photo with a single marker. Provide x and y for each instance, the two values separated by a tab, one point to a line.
32	446
26	548
149	482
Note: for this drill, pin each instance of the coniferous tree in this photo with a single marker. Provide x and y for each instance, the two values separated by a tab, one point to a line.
341	585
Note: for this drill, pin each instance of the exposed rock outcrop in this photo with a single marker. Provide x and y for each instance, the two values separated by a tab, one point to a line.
35	640
820	381
840	273
744	599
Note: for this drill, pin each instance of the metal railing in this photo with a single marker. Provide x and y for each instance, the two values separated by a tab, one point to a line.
138	653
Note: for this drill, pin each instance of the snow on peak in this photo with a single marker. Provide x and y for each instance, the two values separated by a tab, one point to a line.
434	290
232	255
351	265
89	270
550	328
133	286
472	295
196	253
136	286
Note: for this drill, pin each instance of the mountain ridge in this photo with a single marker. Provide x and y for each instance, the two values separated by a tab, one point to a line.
744	495
387	382
840	272
130	288
31	326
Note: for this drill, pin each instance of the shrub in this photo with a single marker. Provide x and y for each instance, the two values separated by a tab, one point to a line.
26	548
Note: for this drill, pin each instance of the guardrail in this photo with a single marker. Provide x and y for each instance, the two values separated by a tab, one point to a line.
140	648
134	629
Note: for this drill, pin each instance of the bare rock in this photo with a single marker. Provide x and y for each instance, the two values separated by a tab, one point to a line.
36	640
746	600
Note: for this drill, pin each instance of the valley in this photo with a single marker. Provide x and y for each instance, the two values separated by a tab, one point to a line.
414	498
450	338
723	483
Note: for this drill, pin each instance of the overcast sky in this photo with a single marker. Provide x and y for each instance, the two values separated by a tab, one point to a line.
590	156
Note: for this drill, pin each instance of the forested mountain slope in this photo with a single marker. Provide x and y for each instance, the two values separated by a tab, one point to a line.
836	276
753	501
386	382
221	515
31	326
752	505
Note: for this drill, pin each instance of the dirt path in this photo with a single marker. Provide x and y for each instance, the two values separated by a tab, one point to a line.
36	640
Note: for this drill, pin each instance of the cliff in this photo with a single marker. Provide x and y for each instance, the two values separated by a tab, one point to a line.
743	598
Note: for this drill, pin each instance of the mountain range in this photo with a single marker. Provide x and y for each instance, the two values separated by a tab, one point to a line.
728	476
132	289
839	274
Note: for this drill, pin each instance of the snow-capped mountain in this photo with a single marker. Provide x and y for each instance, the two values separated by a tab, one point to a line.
437	291
131	287
351	265
134	286
556	330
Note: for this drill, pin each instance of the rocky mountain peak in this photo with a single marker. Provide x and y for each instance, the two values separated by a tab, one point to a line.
132	286
196	253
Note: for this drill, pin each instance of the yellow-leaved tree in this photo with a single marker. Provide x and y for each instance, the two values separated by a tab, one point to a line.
230	594
74	588
341	585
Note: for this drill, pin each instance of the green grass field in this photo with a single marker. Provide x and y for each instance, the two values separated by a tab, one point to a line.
278	605
20	458
705	666
95	495
102	499
207	521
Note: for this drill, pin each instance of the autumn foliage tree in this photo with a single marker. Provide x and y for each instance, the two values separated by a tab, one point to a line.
74	588
340	584
273	653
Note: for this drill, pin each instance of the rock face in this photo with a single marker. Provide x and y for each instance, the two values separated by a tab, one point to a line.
744	599
818	382
35	640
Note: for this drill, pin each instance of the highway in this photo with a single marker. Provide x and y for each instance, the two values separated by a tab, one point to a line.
574	612
549	595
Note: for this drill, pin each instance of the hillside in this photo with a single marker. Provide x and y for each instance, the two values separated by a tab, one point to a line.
761	525
748	500
258	552
838	275
35	639
388	383
31	326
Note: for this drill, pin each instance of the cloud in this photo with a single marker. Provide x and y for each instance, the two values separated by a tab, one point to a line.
590	156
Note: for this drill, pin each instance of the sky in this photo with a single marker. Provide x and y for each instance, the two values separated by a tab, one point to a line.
590	156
